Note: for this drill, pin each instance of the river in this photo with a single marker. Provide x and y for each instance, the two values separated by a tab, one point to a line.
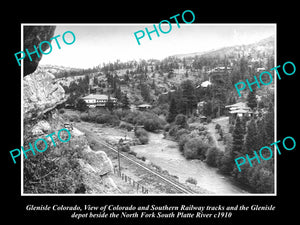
165	153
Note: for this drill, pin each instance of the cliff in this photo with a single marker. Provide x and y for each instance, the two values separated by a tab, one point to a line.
67	167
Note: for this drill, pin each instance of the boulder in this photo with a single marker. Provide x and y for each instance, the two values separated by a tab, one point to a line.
41	93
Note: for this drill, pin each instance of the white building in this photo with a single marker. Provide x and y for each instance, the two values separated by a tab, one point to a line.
96	100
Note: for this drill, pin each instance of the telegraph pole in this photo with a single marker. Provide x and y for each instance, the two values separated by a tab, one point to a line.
119	164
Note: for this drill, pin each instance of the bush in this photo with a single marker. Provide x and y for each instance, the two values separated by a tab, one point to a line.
85	117
213	156
195	148
127	126
181	121
108	119
152	124
218	126
142	135
182	140
74	118
125	148
167	127
181	132
150	121
173	130
143	139
191	181
208	120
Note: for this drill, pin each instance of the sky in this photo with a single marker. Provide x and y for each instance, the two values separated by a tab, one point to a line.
102	43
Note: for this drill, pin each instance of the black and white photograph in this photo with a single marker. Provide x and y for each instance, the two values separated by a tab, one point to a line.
131	109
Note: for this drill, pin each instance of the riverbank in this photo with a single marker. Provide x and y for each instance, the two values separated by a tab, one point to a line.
165	154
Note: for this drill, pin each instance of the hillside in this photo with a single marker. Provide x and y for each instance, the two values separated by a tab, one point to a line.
265	45
147	81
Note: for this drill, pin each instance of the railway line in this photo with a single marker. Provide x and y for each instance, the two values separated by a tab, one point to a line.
176	185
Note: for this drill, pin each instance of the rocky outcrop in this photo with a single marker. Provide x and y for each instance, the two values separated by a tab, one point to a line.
41	93
87	171
34	35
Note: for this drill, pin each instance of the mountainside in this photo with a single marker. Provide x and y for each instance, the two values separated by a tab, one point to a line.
265	45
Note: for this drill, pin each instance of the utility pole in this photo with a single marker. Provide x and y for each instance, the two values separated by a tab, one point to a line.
119	146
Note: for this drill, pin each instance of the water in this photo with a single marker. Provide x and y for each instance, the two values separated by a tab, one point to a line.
165	153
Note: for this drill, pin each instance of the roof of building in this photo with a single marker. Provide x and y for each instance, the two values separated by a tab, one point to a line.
237	105
205	83
240	111
98	97
144	106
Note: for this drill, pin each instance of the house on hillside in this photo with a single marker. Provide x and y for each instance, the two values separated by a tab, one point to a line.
205	84
239	109
144	107
96	100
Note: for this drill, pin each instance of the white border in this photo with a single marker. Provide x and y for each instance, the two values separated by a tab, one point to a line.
143	24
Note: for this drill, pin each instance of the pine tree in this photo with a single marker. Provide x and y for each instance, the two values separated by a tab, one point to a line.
269	124
125	102
188	96
251	138
145	92
237	137
172	111
251	99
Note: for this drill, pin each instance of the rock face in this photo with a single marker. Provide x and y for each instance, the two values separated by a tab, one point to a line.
34	35
41	93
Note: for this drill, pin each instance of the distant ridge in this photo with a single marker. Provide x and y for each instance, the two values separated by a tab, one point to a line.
269	41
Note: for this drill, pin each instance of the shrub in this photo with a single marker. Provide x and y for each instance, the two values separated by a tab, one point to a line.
127	126
182	140
167	127
218	126
152	124
181	121
74	118
125	148
173	130
108	119
213	156
142	135
181	132
208	120
143	139
191	181
84	117
195	148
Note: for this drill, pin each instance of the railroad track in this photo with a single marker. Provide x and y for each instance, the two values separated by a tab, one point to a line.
181	188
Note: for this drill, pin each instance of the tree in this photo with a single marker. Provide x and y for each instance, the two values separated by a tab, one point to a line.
251	138
227	161
181	121
251	99
208	109
188	96
172	111
269	124
109	104
125	102
145	92
81	105
237	137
